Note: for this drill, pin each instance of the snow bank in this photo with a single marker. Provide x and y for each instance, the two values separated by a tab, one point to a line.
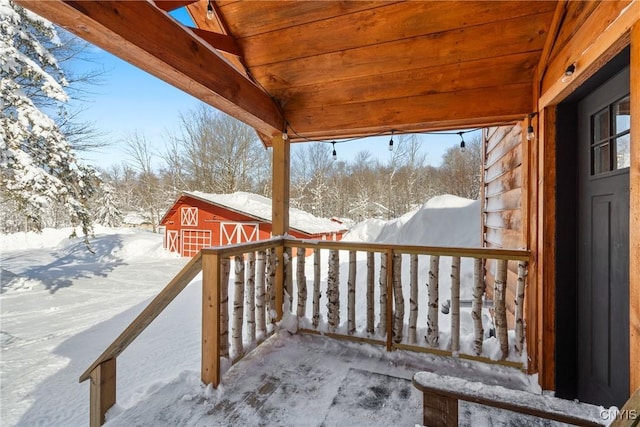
442	221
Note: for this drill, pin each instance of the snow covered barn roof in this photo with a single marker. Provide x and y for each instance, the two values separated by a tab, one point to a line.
259	207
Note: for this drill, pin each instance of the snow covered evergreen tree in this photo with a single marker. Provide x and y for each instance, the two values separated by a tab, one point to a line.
107	212
38	167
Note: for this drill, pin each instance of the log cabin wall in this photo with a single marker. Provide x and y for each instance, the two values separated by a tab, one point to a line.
502	202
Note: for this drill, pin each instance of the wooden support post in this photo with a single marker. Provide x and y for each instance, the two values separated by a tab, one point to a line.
545	302
102	391
280	210
634	215
210	367
439	411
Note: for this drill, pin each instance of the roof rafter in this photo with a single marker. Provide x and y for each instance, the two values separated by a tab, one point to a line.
169	5
174	54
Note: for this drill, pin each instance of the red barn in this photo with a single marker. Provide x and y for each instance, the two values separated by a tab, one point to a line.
197	220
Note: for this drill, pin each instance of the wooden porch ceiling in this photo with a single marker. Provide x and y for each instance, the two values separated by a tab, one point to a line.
331	69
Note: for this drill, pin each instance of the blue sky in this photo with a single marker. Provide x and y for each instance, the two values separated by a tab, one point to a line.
131	100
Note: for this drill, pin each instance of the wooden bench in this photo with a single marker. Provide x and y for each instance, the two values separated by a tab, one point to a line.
441	394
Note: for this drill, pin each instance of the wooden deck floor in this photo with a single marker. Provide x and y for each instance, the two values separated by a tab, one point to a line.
306	380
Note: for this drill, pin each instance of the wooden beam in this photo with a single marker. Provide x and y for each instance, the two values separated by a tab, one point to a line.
169	5
634	220
218	41
552	35
102	391
147	37
281	166
210	363
603	35
415	113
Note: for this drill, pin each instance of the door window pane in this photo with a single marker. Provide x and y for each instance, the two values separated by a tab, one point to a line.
601	125
622	115
601	158
623	153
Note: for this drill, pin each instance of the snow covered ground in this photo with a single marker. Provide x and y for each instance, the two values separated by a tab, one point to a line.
61	306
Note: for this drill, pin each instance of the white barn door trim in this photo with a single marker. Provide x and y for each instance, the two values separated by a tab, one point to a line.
238	232
172	241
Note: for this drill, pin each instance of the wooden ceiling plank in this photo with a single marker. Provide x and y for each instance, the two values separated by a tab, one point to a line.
418	113
517	35
169	5
483	73
381	25
218	41
164	48
267	16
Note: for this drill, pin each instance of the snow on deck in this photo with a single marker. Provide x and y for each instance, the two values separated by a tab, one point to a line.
260	207
309	380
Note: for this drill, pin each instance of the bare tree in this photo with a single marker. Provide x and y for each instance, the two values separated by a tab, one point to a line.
460	173
148	192
219	153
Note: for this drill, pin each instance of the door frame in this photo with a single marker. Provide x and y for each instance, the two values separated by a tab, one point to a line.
565	233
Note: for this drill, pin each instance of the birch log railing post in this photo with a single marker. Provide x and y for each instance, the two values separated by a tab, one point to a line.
389	295
519	311
316	288
413	299
382	325
433	333
476	307
351	294
455	304
224	308
238	305
261	324
333	291
211	313
370	290
250	292
500	289
301	281
398	298
271	288
288	274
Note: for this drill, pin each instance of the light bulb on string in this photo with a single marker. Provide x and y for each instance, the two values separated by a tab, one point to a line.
531	134
463	146
209	10
335	155
391	142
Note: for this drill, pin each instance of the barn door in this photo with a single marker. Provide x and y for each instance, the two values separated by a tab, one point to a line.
173	243
238	232
603	243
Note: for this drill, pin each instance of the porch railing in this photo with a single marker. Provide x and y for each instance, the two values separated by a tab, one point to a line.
403	297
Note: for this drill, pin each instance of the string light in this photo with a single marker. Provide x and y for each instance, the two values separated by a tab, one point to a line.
531	135
568	73
391	142
209	10
463	146
285	135
335	155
